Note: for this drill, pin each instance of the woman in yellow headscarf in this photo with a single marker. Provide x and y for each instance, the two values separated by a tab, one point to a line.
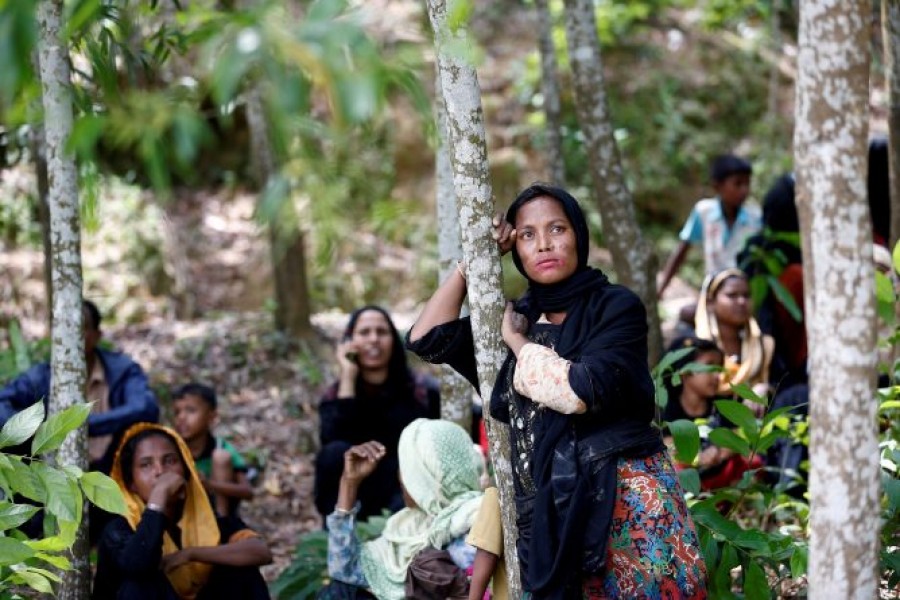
725	315
170	545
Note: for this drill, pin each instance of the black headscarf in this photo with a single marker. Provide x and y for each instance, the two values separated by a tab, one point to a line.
558	296
605	333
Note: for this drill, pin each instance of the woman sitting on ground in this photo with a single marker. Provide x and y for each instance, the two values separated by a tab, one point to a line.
421	553
725	316
375	397
170	545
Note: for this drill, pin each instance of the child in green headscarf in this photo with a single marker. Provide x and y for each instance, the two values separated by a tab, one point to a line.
443	495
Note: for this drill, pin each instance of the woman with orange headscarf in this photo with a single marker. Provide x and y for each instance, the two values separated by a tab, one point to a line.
170	545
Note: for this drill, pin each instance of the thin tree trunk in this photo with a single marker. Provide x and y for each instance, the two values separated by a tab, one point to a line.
67	344
178	264
633	260
456	393
468	155
830	162
550	92
39	150
890	39
288	251
774	71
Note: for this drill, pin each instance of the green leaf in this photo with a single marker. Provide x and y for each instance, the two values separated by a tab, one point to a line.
14	515
63	495
51	434
740	415
36	581
103	492
687	440
786	299
726	564
13	551
25	480
896	257
22	425
759	288
690	480
58	561
18	345
752	539
798	562
884	297
756	586
726	438
744	391
671	358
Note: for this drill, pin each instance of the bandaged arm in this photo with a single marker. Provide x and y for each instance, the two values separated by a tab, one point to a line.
542	375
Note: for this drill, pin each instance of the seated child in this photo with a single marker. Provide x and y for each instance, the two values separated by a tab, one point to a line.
170	544
486	536
693	399
221	468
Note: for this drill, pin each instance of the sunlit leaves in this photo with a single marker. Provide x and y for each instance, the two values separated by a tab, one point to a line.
18	33
103	492
22	425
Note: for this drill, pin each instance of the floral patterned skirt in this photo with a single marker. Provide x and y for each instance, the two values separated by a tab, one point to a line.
653	550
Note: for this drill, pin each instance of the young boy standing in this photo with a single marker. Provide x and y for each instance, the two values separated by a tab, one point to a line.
722	224
222	469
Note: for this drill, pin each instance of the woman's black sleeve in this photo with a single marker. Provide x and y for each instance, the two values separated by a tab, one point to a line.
134	553
451	344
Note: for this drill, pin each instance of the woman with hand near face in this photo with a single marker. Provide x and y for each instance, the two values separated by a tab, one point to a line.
170	544
600	511
375	397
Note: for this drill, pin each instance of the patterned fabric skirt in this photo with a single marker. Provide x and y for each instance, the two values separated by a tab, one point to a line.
653	550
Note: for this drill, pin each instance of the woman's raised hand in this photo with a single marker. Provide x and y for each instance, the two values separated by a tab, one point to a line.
360	460
503	233
169	486
346	354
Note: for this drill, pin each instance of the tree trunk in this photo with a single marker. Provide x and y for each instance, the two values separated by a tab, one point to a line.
830	161
39	150
288	251
456	393
550	92
468	155
890	27
633	260
183	292
67	343
774	71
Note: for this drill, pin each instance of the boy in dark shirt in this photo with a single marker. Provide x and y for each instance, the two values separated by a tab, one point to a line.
222	469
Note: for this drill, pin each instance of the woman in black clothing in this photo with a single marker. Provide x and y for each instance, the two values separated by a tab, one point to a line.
599	509
169	545
375	397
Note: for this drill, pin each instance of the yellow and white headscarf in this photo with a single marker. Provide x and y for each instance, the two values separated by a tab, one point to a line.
756	347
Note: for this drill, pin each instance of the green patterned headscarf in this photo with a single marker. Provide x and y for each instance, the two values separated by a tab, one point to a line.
439	472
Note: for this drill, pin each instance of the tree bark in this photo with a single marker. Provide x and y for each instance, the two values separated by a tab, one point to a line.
830	142
633	260
550	92
38	148
288	250
67	343
471	180
890	27
456	393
